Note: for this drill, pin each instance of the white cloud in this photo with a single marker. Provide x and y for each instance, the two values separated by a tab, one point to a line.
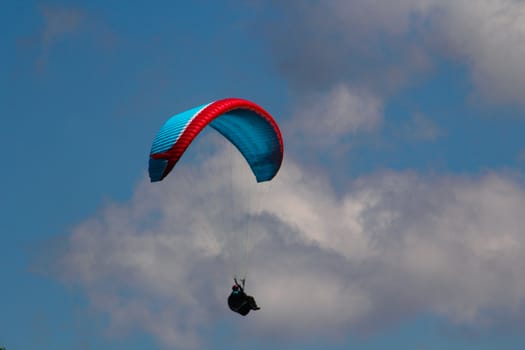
491	37
393	246
385	44
327	119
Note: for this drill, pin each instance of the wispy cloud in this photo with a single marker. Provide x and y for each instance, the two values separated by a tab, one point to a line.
421	128
325	120
60	23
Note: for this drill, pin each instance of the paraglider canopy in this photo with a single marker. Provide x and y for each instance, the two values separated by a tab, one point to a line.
251	129
256	135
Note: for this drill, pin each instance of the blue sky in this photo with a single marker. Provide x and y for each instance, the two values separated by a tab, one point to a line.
395	222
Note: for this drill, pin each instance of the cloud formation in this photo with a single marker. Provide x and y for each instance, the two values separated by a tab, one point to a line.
421	128
396	245
383	45
325	120
490	38
59	23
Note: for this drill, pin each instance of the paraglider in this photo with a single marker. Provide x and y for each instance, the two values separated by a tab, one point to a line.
239	301
247	126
